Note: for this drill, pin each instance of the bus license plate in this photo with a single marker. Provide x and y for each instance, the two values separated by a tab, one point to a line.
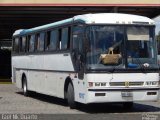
127	94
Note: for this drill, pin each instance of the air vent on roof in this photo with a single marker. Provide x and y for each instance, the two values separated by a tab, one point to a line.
136	22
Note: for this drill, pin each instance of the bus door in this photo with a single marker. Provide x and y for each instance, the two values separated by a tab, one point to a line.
78	50
78	61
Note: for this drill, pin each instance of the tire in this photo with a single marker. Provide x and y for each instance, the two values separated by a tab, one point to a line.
128	105
25	88
70	96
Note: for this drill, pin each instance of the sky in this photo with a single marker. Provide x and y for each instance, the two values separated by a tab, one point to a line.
157	21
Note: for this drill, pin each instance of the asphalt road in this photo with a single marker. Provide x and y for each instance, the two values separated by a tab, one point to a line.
15	106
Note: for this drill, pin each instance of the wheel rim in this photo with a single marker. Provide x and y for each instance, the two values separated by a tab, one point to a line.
24	87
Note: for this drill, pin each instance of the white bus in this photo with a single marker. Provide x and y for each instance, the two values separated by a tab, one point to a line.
91	58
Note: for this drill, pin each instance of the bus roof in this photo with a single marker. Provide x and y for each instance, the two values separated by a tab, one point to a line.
99	18
113	18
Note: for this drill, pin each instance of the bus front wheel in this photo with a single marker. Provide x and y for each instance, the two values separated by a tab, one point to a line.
70	96
25	89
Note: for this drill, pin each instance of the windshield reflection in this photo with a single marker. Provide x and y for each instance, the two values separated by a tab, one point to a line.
106	48
104	41
140	46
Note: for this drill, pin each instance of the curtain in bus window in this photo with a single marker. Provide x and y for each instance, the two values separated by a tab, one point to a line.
47	42
31	43
138	33
37	42
41	42
23	44
16	45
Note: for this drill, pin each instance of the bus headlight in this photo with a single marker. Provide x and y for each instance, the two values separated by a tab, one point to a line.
152	83
102	84
97	84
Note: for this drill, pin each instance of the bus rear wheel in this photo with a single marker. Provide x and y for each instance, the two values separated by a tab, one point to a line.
70	96
25	89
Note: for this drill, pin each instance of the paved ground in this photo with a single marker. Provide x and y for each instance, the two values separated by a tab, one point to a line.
13	102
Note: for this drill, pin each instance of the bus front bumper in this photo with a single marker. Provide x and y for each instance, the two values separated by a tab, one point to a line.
122	95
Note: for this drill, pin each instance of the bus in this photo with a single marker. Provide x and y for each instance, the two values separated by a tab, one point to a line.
90	58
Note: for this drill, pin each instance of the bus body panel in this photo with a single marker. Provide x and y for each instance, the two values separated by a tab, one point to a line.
136	83
112	96
52	62
45	73
80	88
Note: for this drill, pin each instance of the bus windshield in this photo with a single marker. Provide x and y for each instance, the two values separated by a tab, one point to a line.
109	46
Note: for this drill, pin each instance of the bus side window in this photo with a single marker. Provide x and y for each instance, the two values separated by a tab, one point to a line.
31	43
42	36
20	44
47	42
65	38
39	45
59	45
51	41
16	45
54	40
23	44
37	42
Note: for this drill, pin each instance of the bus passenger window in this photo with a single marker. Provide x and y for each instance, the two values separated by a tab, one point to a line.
53	40
37	42
31	43
23	44
42	35
47	42
65	38
16	45
20	44
59	42
40	42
